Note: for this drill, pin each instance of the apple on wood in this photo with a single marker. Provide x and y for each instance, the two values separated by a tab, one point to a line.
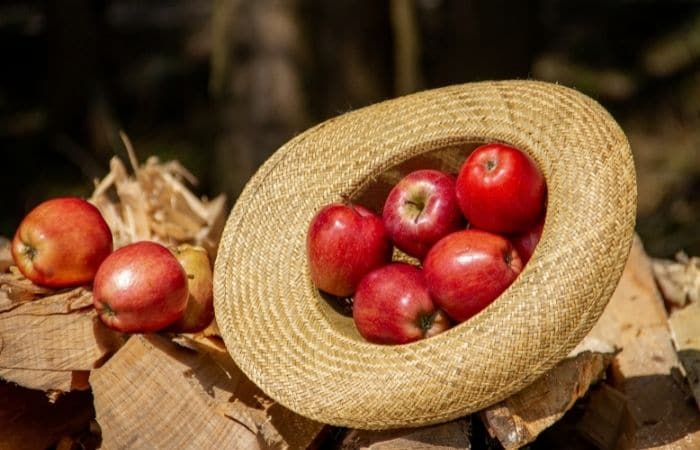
344	243
199	311
61	243
392	305
467	270
500	189
140	288
420	210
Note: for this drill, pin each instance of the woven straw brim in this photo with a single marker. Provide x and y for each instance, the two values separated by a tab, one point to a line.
303	353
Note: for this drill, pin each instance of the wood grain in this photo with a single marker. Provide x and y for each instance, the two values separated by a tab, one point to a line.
42	342
156	394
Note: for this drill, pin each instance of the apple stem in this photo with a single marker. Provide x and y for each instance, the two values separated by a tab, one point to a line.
419	206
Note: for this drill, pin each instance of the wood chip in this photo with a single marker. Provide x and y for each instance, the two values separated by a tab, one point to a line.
154	203
685	330
519	419
678	280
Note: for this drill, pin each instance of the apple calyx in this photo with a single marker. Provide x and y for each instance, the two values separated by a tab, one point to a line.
29	251
490	164
425	322
107	311
507	257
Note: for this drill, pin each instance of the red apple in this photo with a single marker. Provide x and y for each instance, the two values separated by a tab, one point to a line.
61	243
469	269
199	311
420	210
500	189
140	288
526	242
392	306
345	242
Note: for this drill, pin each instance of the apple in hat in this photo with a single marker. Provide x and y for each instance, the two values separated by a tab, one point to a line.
469	269
392	306
420	210
500	189
344	243
526	242
61	243
140	288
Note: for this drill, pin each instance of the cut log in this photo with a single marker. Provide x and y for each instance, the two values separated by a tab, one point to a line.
647	370
685	330
607	422
519	419
451	435
31	421
272	418
44	342
186	399
297	431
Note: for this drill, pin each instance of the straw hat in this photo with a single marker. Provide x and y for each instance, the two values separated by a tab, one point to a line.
304	353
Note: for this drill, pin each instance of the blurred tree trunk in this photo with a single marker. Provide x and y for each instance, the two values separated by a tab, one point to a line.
256	78
407	38
351	48
475	39
73	36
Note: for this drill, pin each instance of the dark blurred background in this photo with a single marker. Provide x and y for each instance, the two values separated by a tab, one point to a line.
220	84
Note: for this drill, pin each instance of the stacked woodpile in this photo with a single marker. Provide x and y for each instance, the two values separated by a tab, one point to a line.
70	382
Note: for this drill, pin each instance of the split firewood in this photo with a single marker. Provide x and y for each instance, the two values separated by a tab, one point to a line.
271	418
448	436
207	402
46	344
685	330
647	370
155	204
30	420
15	290
519	419
678	280
607	422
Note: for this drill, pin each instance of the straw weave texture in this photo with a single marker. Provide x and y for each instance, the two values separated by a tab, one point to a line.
306	355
